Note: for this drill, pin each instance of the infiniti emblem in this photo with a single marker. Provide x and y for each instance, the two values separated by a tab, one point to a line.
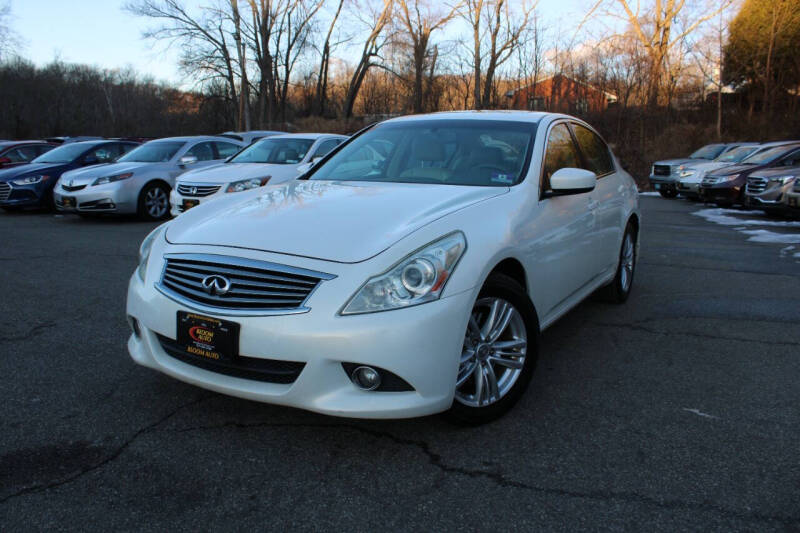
216	285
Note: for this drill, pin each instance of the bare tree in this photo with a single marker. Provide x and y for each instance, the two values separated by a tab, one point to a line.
204	40
321	93
371	50
658	29
243	122
9	40
496	33
420	18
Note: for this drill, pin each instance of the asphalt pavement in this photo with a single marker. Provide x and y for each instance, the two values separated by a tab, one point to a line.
679	410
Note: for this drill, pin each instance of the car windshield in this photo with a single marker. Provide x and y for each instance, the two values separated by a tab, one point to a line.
768	156
275	151
63	154
447	152
153	152
708	152
737	154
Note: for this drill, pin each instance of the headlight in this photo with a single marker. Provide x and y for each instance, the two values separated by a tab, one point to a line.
243	185
687	173
144	249
782	180
112	179
30	180
418	278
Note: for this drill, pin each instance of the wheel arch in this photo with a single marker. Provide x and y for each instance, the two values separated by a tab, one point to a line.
513	268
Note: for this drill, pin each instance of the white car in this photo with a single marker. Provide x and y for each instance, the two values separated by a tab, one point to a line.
409	273
272	160
691	175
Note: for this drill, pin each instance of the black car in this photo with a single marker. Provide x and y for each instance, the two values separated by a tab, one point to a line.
32	185
726	186
13	153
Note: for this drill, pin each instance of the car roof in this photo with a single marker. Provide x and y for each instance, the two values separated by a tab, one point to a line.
307	136
17	143
514	115
778	143
188	138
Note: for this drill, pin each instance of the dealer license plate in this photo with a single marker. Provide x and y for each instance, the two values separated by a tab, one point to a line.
208	338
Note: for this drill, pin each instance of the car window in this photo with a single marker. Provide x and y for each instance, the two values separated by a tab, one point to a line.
485	153
103	154
280	151
791	160
225	150
594	150
16	155
153	152
42	148
708	152
202	151
560	153
325	147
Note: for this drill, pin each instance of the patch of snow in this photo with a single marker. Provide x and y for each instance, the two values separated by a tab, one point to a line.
649	194
698	412
762	235
721	216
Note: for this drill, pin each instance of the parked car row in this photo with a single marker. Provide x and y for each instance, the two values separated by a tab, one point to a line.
91	177
762	175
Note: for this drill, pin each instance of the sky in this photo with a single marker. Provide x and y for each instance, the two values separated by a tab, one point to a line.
100	33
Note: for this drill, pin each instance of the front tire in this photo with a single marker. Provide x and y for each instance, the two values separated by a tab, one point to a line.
154	202
668	193
498	355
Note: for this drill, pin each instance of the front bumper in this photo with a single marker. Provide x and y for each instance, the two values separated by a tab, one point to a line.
663	183
689	188
176	200
730	194
22	195
421	345
119	197
793	201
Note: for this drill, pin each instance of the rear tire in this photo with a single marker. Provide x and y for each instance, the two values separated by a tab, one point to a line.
499	353
620	288
154	202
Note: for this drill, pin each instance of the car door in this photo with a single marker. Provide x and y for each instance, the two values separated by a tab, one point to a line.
558	238
606	199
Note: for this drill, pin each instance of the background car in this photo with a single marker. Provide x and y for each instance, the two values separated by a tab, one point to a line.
792	199
75	139
13	153
141	181
726	186
272	160
691	175
32	185
249	137
664	175
767	189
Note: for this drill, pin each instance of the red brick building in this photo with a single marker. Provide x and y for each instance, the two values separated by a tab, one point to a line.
560	94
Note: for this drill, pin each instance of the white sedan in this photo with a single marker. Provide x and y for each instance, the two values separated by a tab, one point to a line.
271	160
409	273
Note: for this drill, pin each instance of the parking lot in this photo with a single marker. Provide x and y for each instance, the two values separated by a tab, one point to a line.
678	410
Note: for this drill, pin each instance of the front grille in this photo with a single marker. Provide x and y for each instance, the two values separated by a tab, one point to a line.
253	285
756	185
268	370
708	181
661	170
187	189
5	191
73	188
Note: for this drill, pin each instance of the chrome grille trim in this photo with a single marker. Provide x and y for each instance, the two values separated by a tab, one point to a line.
257	287
201	190
756	185
5	191
73	188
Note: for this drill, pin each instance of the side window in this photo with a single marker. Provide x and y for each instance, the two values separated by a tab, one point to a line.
102	154
790	160
202	151
42	148
595	151
15	155
225	150
560	153
325	147
27	152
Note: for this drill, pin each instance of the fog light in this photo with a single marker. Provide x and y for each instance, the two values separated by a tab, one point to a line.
366	378
134	326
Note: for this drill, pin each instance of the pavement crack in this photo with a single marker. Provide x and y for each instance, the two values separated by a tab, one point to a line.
655	331
31	333
437	461
106	460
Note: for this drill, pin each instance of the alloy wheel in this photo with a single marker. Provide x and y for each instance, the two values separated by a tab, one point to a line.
156	202
493	355
627	262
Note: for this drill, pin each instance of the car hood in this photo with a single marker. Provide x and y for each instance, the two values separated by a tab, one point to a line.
676	162
732	169
30	168
345	222
87	175
777	172
708	166
228	172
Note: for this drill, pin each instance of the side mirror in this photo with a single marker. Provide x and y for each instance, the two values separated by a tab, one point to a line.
304	167
572	181
316	159
188	160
